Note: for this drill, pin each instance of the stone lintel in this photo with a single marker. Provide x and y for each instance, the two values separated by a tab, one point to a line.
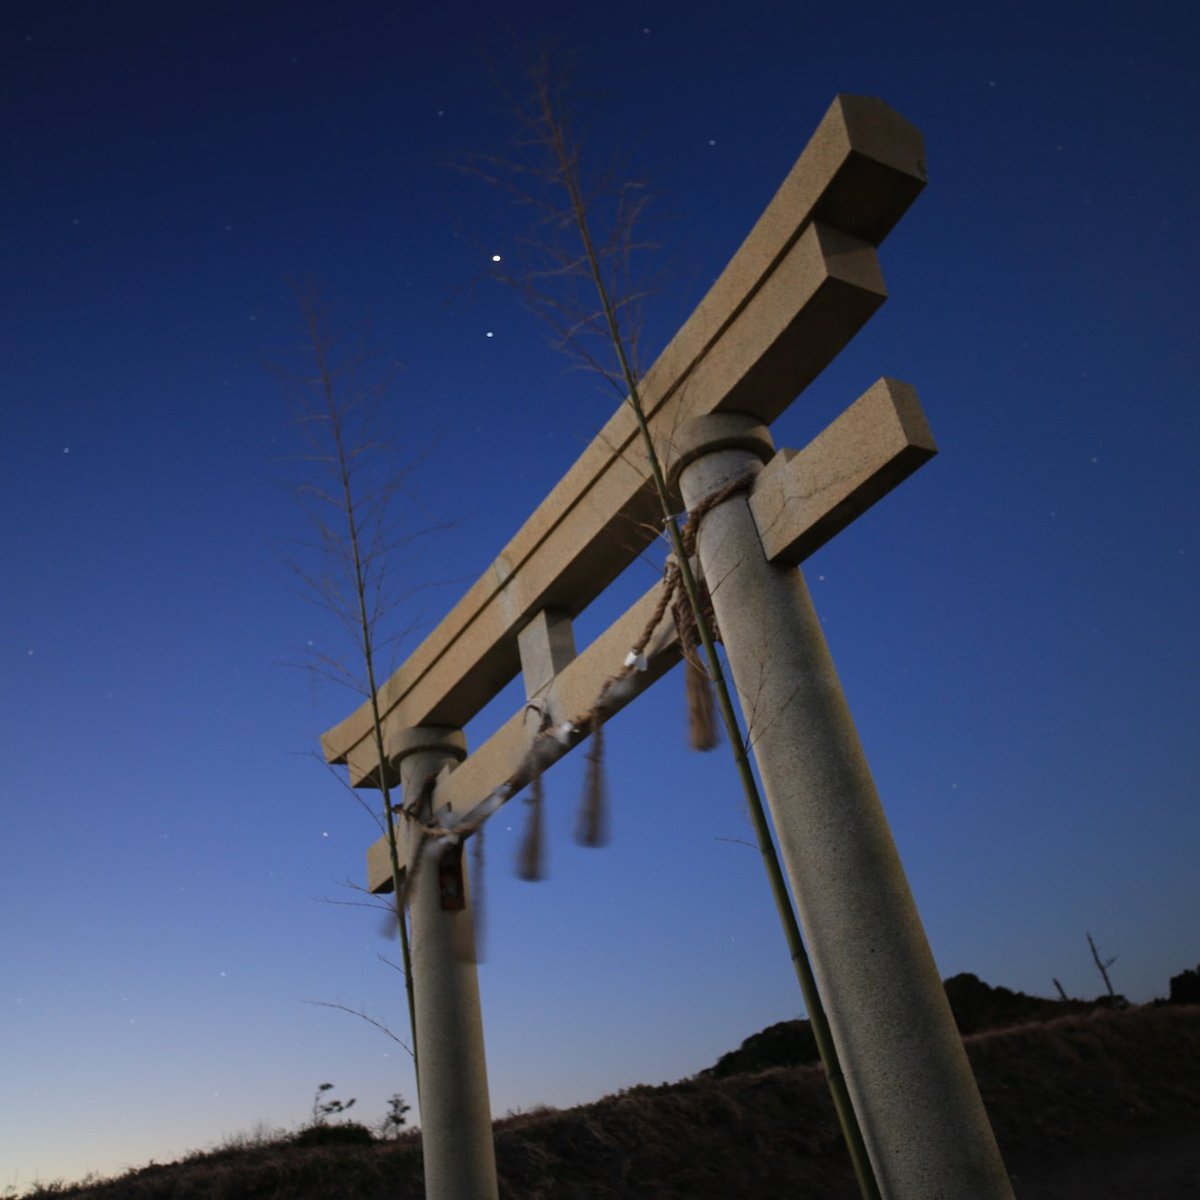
800	286
603	512
546	645
801	500
882	174
880	440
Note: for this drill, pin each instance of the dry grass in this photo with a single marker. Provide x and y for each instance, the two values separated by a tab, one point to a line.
1102	1088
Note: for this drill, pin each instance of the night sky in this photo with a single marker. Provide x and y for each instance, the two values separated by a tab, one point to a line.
1015	627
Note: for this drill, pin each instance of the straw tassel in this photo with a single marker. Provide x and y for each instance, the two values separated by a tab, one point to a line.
592	829
702	724
529	861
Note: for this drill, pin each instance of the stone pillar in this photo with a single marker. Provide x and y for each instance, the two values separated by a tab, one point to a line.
456	1119
923	1122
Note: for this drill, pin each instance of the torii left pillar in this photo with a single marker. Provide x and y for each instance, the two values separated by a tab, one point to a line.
456	1119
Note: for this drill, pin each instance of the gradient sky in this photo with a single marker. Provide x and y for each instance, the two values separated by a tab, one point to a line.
1015	627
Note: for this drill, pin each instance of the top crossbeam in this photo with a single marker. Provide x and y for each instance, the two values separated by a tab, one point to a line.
800	286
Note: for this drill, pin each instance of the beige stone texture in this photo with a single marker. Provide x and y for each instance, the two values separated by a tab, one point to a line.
922	1120
799	500
803	282
456	1119
546	645
801	285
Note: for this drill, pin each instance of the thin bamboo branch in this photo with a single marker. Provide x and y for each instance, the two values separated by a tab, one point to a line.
362	546
357	1012
565	159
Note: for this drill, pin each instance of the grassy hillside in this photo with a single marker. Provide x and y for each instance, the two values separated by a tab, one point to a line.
1081	1105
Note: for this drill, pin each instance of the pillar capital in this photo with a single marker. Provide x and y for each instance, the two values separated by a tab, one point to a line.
399	744
715	432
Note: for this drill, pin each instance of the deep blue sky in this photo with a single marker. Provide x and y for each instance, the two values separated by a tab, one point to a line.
1015	627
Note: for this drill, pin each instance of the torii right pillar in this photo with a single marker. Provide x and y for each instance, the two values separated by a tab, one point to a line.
922	1119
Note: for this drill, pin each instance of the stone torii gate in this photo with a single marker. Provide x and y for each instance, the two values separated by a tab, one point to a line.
801	285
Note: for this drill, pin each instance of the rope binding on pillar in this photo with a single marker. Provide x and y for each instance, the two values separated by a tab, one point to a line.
592	827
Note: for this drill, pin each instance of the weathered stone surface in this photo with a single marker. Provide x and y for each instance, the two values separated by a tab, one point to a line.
546	645
803	282
802	500
456	1119
801	285
917	1104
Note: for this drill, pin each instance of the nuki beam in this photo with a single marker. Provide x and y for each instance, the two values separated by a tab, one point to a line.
799	501
797	290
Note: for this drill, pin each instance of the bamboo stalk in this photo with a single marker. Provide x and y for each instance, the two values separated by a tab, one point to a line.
843	1106
364	630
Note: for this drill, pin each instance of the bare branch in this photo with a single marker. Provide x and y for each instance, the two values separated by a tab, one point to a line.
356	1012
739	842
351	567
592	298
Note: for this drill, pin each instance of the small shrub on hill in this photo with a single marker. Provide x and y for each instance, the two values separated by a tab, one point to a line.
392	1124
349	1133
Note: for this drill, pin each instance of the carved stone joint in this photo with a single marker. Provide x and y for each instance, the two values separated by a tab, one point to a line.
709	434
436	739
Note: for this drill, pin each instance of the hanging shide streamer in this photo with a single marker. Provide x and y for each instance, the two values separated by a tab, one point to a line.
592	829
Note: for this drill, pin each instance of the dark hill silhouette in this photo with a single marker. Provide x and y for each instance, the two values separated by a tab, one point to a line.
977	1006
1185	987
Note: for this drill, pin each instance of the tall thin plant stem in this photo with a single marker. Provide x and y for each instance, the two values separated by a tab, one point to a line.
363	622
568	176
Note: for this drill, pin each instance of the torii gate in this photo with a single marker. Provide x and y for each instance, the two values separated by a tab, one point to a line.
800	286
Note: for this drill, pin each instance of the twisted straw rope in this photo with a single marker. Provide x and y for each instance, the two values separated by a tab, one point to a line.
529	765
